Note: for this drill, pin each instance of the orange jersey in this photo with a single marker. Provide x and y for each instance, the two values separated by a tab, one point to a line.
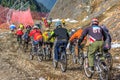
76	35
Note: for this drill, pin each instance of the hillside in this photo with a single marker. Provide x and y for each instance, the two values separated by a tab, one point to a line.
107	11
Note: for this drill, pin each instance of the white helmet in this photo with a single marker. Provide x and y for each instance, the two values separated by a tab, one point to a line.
35	27
73	30
79	27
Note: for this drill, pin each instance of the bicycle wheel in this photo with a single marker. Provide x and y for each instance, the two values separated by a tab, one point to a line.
104	73
74	58
49	54
63	61
81	58
31	54
109	61
40	54
86	68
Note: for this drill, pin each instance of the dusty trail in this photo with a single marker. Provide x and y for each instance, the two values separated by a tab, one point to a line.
17	66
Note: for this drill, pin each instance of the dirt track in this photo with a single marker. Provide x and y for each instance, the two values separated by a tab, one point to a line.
18	66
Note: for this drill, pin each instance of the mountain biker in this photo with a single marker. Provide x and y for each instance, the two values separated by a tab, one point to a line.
74	39
46	34
19	34
12	27
96	37
36	36
61	36
70	45
26	36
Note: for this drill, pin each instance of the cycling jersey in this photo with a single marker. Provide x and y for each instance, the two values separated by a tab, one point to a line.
19	32
36	34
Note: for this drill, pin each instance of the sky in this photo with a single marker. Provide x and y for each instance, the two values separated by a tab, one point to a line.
48	3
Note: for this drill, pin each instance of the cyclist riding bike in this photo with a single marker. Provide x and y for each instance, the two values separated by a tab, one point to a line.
36	36
96	37
26	36
19	34
74	41
61	36
47	44
46	34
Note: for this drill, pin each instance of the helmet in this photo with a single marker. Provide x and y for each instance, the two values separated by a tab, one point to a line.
79	27
35	27
73	30
95	21
28	26
58	23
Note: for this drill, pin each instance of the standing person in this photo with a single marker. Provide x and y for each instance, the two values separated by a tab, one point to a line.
96	36
63	22
61	36
50	22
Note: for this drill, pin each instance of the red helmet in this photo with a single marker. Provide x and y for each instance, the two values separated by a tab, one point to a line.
95	21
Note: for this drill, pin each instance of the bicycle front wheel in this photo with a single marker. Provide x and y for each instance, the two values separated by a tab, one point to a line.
81	58
104	74
109	61
40	54
86	68
63	61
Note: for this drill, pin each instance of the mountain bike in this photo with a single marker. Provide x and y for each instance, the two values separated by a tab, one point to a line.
62	58
108	59
47	51
99	65
78	55
36	50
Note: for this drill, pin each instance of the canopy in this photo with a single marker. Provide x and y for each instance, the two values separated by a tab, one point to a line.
23	17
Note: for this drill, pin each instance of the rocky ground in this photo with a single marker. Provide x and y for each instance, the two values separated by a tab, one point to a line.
16	65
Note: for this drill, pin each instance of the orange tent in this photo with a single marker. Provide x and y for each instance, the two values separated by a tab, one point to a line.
23	17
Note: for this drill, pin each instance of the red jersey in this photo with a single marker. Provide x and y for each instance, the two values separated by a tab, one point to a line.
36	34
19	32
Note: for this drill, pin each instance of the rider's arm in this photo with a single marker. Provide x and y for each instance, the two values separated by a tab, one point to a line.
52	35
85	32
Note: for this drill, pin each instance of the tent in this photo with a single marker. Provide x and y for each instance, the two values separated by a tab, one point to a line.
23	17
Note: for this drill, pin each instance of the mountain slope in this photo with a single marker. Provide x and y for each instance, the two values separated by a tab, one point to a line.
107	11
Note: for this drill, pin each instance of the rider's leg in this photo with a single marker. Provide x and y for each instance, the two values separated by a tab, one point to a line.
92	49
101	49
56	47
76	50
